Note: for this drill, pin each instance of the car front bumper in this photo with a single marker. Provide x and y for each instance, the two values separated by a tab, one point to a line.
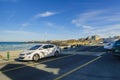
25	57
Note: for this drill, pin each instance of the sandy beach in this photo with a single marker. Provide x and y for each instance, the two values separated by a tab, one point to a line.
13	54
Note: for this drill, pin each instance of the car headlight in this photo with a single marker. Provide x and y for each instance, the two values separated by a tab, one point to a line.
29	53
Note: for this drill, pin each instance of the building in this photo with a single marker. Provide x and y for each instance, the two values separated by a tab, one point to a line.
116	37
94	37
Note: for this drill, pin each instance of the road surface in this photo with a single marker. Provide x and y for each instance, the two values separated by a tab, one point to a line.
83	63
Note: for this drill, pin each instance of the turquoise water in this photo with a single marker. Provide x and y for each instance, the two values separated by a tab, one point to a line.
10	46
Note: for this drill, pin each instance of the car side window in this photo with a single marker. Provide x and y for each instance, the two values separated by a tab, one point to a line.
45	47
51	46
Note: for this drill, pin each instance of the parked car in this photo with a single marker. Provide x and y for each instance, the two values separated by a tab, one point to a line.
39	51
109	46
116	48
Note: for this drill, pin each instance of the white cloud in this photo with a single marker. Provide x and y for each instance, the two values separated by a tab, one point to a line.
45	14
60	28
24	25
49	24
87	27
19	32
96	18
84	18
81	25
105	31
102	22
17	35
54	26
115	17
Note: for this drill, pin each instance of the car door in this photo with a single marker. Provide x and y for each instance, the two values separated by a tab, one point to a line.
44	52
51	50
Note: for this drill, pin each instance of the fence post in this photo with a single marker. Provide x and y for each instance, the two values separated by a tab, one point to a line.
8	55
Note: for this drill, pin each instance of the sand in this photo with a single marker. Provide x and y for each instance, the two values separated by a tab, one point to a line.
13	54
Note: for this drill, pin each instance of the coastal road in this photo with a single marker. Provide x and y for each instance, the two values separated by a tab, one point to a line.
74	66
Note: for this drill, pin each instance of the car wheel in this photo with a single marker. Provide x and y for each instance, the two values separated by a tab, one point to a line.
36	57
56	53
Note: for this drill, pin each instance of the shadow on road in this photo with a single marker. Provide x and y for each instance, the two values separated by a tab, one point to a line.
87	49
36	72
32	71
42	71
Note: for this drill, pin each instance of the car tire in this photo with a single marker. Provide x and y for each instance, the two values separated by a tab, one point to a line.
36	57
56	54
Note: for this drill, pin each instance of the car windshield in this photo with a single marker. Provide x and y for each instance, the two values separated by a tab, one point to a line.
35	47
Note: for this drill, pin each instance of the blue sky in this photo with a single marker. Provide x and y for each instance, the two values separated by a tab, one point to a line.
26	20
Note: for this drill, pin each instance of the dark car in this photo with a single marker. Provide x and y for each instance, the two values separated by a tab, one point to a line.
116	48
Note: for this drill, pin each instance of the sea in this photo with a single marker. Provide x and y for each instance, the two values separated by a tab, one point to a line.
11	46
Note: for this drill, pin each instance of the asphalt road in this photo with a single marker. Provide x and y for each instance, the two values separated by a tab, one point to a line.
72	66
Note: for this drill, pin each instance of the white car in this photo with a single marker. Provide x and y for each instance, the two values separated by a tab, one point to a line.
39	51
109	46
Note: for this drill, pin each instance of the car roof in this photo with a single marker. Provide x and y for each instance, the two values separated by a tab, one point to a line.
45	44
